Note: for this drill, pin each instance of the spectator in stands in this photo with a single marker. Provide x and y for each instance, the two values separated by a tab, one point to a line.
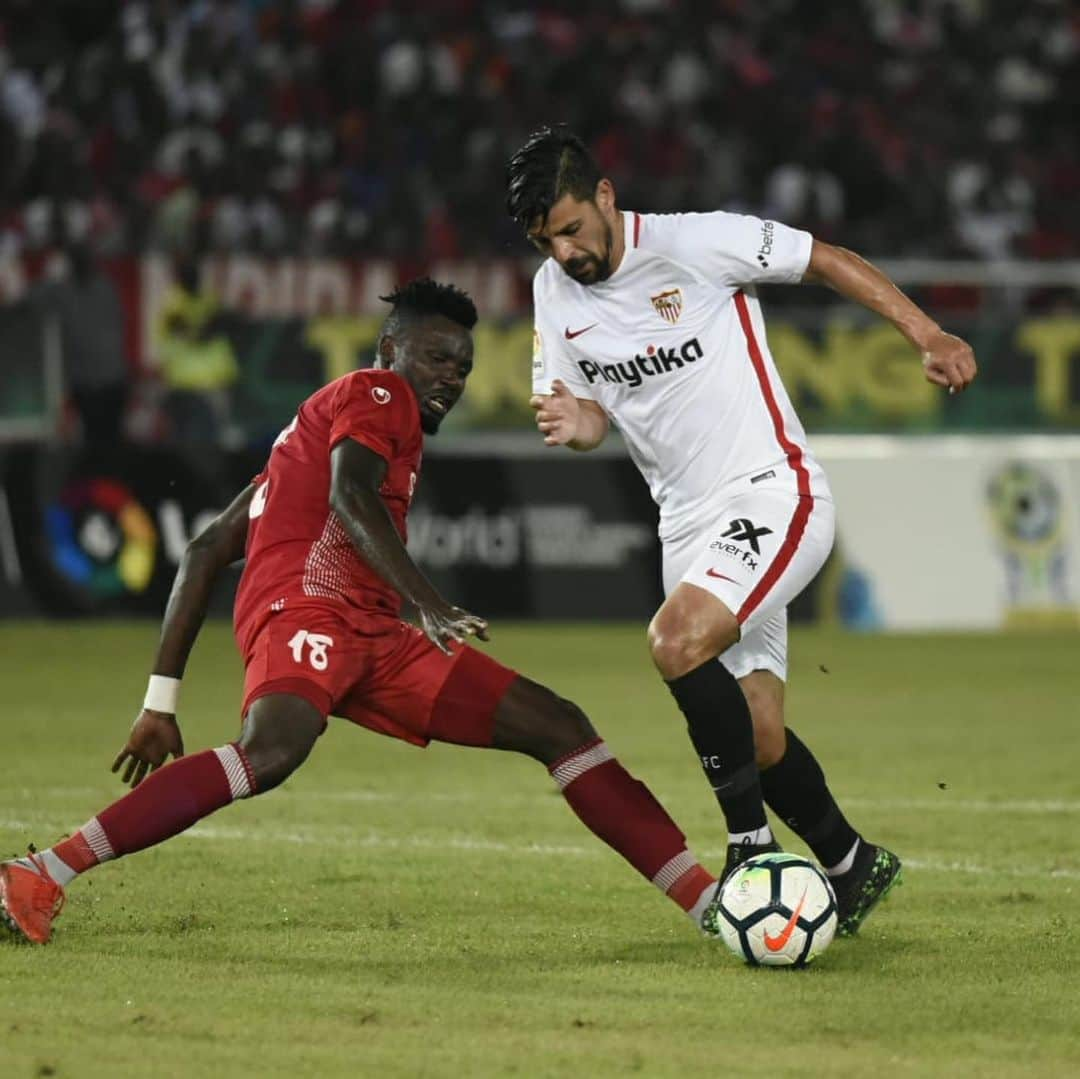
195	358
90	320
938	126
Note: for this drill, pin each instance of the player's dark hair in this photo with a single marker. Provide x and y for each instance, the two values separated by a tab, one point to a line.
421	297
552	163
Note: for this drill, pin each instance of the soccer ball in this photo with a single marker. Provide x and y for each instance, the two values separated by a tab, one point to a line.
777	910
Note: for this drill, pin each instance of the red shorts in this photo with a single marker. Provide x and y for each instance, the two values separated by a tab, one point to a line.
387	677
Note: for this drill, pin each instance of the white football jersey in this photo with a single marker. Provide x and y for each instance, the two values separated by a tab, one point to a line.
672	347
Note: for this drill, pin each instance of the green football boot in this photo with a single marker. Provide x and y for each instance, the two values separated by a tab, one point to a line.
863	886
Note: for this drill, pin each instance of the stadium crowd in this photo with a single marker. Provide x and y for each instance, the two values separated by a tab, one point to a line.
938	127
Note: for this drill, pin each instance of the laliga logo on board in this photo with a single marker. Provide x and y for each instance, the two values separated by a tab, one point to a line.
668	304
381	395
101	537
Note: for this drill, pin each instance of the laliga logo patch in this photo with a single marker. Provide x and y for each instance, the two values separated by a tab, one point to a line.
381	395
538	353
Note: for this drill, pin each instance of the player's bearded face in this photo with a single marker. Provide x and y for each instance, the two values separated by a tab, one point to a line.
580	239
592	266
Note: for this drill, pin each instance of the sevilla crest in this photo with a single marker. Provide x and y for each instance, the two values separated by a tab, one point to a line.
668	304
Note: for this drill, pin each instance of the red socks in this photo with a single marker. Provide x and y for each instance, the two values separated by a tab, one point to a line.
168	802
608	800
624	814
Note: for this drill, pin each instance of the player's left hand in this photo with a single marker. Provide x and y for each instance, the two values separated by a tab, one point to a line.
949	361
154	735
558	414
442	624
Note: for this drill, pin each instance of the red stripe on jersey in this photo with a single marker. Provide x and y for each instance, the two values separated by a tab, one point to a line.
637	227
795	460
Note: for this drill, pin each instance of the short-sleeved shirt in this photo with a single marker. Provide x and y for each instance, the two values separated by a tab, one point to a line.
298	553
672	347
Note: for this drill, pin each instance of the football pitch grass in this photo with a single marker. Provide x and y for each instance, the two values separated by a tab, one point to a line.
397	912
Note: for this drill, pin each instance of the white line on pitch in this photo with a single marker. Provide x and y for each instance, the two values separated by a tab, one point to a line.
475	844
946	803
967	805
936	866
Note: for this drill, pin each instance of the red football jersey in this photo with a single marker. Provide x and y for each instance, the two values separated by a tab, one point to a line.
298	553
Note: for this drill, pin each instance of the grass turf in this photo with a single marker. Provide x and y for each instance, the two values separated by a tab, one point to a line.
394	912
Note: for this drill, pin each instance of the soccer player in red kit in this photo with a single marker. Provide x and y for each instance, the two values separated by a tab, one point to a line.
317	622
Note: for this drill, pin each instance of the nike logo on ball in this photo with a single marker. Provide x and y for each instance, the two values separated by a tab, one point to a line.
774	944
571	334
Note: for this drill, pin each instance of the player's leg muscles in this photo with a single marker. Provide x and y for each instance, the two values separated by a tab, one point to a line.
533	720
617	808
280	731
791	779
764	694
795	790
686	635
278	735
691	627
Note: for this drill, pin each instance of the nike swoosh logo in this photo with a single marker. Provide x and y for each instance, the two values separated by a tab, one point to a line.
571	334
710	572
775	944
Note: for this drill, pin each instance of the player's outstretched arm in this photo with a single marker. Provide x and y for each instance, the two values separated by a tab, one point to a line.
356	474
566	420
947	360
155	734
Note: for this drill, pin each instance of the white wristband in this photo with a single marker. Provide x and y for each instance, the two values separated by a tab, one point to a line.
162	694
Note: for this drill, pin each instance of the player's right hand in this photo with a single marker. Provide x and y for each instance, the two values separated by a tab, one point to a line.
154	735
444	623
557	414
949	361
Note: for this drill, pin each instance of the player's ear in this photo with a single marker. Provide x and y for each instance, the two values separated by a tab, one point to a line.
384	356
605	195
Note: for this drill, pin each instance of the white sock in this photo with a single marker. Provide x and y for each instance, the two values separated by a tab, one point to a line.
697	911
59	870
845	865
757	838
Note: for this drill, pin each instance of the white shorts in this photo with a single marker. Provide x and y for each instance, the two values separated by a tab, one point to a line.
761	550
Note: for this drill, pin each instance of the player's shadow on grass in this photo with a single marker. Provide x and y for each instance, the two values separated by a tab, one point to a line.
879	950
369	941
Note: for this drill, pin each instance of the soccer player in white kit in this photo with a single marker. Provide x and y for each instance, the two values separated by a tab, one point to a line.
650	321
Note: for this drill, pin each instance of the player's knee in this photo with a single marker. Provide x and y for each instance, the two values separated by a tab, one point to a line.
570	728
557	728
277	738
273	764
679	646
537	722
667	649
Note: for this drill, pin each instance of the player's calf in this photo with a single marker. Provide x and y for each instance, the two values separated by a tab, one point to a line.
279	732
764	694
614	806
165	804
688	633
795	789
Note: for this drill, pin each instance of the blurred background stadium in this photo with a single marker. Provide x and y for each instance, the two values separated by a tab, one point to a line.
201	202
